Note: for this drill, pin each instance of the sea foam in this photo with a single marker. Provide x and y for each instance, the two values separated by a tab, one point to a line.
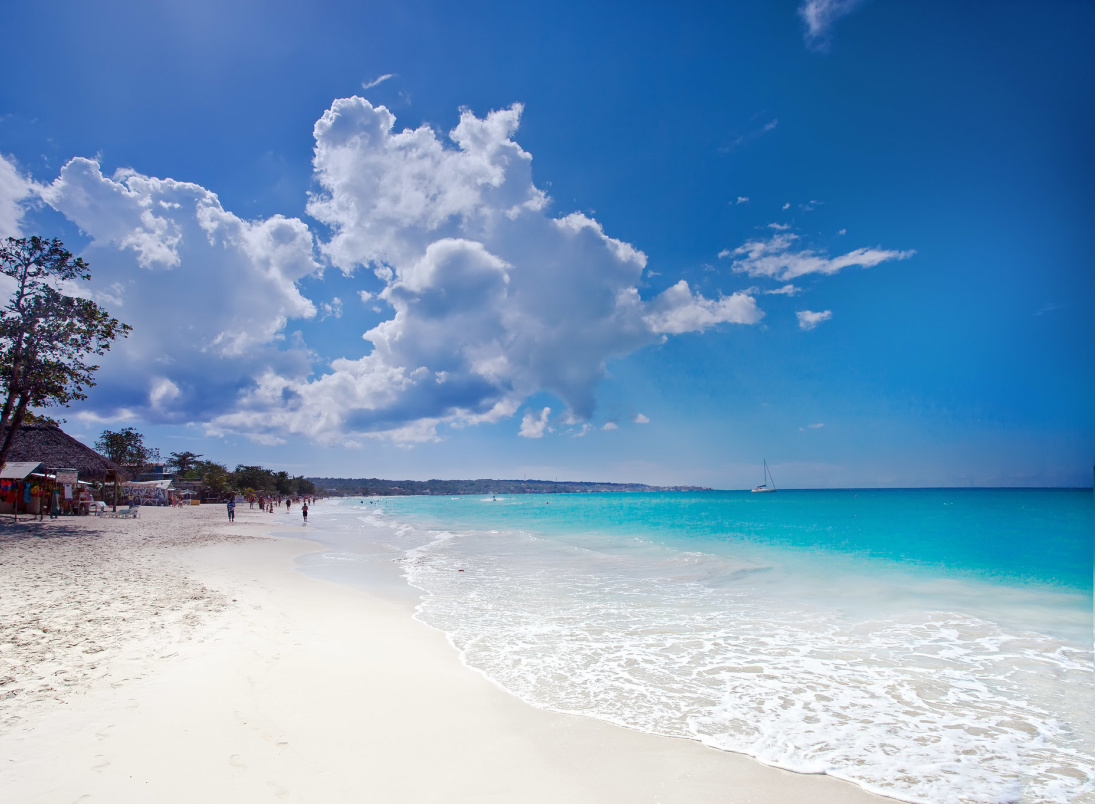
914	700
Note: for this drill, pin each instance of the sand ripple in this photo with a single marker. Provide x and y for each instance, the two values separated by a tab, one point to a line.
84	599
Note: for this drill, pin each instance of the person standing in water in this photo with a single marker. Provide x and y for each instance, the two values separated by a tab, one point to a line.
304	510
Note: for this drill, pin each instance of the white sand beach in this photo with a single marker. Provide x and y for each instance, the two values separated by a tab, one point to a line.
175	658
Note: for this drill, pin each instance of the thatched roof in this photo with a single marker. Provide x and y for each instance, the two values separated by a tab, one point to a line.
57	450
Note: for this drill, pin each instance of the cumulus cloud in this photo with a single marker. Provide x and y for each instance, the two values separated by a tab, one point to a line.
819	16
534	425
641	419
677	310
777	258
207	293
15	191
807	319
493	298
490	297
610	426
742	199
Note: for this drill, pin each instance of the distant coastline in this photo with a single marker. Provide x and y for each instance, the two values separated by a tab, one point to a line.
377	487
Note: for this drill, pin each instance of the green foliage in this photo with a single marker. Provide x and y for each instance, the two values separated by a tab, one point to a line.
257	480
283	484
214	475
184	461
46	336
254	479
41	418
126	448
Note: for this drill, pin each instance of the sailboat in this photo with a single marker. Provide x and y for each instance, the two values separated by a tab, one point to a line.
767	479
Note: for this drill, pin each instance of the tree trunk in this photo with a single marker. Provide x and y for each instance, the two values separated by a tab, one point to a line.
14	386
14	425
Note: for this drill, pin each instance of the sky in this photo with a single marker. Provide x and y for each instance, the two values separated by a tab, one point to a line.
634	242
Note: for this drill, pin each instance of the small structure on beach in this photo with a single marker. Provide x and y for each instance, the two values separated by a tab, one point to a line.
149	492
50	445
49	448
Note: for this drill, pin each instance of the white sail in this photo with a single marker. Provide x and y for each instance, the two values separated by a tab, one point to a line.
767	479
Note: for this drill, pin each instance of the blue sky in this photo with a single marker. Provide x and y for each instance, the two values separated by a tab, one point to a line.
634	242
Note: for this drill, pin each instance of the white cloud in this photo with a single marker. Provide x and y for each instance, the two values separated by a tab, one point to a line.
641	419
676	310
786	206
611	426
816	426
779	227
819	17
207	293
807	319
777	258
163	392
332	309
491	298
378	80
488	291
737	140
842	232
15	191
786	290
743	199
535	425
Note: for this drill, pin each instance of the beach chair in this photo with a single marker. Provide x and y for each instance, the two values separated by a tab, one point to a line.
133	512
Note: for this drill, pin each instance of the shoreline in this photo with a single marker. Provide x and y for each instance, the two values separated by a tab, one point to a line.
294	688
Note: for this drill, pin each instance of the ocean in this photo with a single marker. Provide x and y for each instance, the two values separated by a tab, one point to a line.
928	645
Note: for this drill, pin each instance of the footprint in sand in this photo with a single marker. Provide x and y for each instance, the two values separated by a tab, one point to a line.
100	762
279	791
104	732
236	762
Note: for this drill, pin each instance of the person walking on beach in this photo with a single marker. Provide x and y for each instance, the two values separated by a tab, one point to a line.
304	510
232	509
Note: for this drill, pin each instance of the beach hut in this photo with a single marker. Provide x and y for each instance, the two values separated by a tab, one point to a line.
16	477
49	445
148	492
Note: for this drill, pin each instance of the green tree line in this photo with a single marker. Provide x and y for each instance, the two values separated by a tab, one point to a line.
126	448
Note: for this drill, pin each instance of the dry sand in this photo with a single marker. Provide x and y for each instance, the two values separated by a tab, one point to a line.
175	658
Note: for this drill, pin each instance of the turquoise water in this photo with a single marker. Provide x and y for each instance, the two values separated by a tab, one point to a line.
930	645
1035	535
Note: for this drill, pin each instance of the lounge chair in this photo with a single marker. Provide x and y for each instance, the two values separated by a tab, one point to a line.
124	513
